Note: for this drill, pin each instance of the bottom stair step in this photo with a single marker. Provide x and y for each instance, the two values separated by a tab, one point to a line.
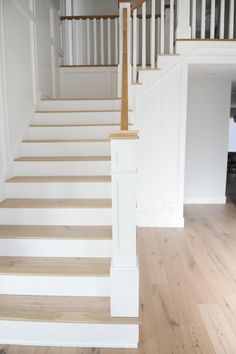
64	321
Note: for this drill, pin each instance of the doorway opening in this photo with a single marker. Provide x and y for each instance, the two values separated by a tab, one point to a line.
231	168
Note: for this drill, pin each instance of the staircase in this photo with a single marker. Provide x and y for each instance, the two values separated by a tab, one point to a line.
56	232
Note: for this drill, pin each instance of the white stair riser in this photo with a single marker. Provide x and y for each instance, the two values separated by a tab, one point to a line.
54	285
61	168
83	132
66	149
69	334
55	248
64	105
77	118
43	216
58	190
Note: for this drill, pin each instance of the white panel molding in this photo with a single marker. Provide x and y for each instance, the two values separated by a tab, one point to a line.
79	82
27	11
5	156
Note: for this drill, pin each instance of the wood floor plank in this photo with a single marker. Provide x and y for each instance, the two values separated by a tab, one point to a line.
222	337
55	266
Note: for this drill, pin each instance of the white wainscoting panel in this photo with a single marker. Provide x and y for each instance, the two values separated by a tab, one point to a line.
78	82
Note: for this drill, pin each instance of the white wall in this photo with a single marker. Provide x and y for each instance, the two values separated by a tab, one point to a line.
207	137
160	116
30	49
95	7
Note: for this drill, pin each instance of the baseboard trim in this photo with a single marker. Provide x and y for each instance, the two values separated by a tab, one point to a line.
205	200
155	219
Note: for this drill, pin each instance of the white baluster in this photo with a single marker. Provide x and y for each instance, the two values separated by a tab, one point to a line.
88	41
135	46
69	42
109	41
152	26
222	19
183	29
138	39
102	40
171	26
193	19
95	54
203	19
75	33
158	35
213	10
231	19
144	35
162	44
116	40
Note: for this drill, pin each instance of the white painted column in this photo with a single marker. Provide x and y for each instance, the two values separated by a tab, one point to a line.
183	19
124	268
123	5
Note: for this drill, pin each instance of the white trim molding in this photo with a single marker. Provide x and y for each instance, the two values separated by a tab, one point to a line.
205	200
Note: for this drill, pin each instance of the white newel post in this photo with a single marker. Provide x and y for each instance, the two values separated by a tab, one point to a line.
124	5
183	29
124	268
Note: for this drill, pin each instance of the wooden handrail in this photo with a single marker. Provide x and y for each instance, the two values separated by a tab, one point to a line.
89	17
124	95
137	5
98	17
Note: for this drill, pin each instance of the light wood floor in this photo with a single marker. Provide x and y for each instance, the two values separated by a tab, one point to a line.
188	288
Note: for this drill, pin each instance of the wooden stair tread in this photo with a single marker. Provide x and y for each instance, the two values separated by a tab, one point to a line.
81	111
68	141
55	232
59	309
56	203
74	125
63	158
59	179
44	266
81	99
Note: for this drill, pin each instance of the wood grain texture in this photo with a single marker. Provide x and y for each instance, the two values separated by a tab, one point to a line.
36	266
59	309
55	232
63	158
185	273
67	141
59	179
56	203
